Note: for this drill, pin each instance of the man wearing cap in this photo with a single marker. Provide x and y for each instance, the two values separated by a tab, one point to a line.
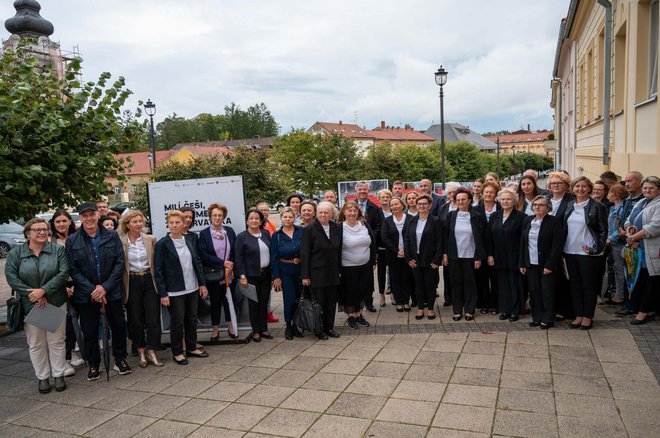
96	260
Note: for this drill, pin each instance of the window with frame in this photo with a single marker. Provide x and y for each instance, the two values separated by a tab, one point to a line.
653	49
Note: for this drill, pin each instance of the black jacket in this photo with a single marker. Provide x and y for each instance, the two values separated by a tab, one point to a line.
550	243
436	204
82	265
389	236
430	245
481	209
479	225
503	239
596	218
320	256
562	206
374	219
169	274
248	254
207	252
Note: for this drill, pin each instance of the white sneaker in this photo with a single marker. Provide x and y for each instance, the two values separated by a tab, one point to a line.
69	370
76	360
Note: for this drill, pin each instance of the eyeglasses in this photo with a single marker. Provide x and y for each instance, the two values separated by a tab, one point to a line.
556	183
536	204
39	230
422	204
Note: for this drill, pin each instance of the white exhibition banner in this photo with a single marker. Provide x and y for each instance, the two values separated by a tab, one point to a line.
197	194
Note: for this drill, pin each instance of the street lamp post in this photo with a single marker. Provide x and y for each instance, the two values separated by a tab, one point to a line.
441	80
498	157
515	165
150	109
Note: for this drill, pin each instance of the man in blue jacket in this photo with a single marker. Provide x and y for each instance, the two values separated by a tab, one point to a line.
96	260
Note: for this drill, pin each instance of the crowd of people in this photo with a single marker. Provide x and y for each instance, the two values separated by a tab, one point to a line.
503	250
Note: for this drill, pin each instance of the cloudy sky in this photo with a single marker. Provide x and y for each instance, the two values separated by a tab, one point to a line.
310	60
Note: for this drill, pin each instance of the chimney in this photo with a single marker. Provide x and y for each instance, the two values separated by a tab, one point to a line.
382	124
528	128
340	122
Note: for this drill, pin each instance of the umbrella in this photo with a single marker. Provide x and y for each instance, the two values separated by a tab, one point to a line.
232	310
632	268
106	347
77	331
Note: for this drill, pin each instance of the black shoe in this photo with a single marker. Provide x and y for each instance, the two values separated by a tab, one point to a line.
483	311
514	317
574	326
60	384
504	316
202	354
288	333
322	336
446	304
214	339
44	386
231	335
266	335
183	361
296	332
256	337
418	317
332	334
406	308
93	374
534	324
457	317
545	326
559	318
639	321
122	367
431	316
371	308
352	324
624	312
587	327
361	321
469	317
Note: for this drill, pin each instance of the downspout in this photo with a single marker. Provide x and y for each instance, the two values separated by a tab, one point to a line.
559	165
607	80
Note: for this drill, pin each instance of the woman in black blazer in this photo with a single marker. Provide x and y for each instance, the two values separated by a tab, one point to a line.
320	253
253	267
179	276
464	250
422	247
215	262
540	260
487	295
392	235
503	243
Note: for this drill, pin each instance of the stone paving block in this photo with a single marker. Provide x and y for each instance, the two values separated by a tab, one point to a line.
525	424
572	384
357	405
308	363
372	340
526	380
345	366
384	369
572	353
527	350
416	390
266	395
629	370
436	358
437	432
470	395
122	426
632	355
577	405
227	391
635	390
487	336
383	386
286	422
358	352
16	368
241	357
166	429
636	412
13	408
528	338
340	427
7	383
475	376
272	360
529	364
465	418
383	429
197	411
329	382
158	405
250	374
122	401
189	387
9	430
408	411
292	349
590	427
494	348
528	401
487	361
444	346
214	432
638	430
397	355
154	384
310	400
239	416
83	421
48	416
416	341
428	373
289	378
569	338
576	367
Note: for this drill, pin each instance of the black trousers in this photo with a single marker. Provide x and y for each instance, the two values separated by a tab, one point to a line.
143	312
401	279
70	340
463	285
382	270
183	318
585	274
487	286
510	291
447	281
426	284
90	318
647	288
327	298
259	310
541	294
218	300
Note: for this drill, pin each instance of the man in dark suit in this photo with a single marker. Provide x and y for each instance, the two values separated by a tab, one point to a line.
374	217
426	188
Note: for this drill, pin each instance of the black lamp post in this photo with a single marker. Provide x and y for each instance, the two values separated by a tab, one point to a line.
441	80
515	165
150	109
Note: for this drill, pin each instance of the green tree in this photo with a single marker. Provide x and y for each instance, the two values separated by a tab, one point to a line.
467	161
59	137
382	162
418	162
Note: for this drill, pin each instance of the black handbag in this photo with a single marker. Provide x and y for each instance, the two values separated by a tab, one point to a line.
309	314
214	275
15	313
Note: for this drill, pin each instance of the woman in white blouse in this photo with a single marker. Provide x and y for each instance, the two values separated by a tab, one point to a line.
141	299
384	197
392	232
527	191
358	258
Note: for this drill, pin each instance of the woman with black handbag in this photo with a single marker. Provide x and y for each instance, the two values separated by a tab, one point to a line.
216	250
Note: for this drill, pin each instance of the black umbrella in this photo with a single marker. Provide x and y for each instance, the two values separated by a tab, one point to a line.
77	331
106	347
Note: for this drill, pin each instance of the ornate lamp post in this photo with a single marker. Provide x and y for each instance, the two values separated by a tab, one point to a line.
441	80
150	109
515	165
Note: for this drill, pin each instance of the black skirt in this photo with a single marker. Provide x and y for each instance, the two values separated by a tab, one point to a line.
356	287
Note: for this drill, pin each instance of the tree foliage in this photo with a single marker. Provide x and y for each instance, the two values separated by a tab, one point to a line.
468	162
58	137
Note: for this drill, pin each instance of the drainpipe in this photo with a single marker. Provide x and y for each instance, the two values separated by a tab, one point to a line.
558	163
607	80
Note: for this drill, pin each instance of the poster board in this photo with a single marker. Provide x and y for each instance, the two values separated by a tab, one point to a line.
346	190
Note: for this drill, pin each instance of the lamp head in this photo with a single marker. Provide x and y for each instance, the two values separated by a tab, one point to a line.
150	108
441	76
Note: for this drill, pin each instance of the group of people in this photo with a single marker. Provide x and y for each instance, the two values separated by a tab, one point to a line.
501	249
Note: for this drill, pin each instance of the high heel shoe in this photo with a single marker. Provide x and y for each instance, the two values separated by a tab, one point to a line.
143	358
382	300
231	335
153	359
214	339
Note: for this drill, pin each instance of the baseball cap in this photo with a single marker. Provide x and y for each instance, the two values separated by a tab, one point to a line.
87	206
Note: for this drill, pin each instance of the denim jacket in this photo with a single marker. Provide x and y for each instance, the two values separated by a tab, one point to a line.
614	221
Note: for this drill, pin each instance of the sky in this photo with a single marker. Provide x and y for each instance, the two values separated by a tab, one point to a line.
308	60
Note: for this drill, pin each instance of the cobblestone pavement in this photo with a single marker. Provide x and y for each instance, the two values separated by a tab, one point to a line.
398	378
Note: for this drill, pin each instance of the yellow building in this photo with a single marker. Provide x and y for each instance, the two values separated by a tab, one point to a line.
580	88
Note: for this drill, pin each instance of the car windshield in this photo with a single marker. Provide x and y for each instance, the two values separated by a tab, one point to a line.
11	228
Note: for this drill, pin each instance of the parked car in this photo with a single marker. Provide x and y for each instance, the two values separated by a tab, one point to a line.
11	235
119	208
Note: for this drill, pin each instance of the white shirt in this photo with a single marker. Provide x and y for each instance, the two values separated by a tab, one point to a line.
326	228
399	228
577	233
356	242
137	256
464	237
264	252
528	208
185	259
555	206
489	213
533	244
419	230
